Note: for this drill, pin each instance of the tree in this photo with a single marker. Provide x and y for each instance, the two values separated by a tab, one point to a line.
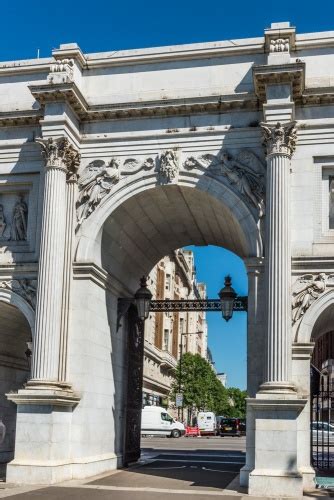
237	403
199	385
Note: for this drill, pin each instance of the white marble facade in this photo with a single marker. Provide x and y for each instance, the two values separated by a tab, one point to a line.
110	161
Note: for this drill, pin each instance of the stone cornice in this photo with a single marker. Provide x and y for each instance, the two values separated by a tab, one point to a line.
168	107
60	92
291	73
20	118
101	277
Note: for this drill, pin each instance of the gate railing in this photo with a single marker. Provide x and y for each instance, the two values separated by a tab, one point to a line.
322	430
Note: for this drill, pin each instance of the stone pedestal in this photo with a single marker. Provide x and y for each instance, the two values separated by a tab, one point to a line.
276	470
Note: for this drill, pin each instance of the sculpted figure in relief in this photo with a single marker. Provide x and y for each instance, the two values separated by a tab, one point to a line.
24	287
2	221
19	221
94	184
306	289
245	172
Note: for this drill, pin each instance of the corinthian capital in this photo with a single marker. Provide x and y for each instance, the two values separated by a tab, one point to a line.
59	153
280	138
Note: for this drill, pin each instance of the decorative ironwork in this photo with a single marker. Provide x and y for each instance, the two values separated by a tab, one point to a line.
322	439
213	305
240	304
135	354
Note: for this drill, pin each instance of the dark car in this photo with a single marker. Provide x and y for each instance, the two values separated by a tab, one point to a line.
230	427
242	426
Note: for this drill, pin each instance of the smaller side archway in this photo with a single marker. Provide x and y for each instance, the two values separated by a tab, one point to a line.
16	330
318	319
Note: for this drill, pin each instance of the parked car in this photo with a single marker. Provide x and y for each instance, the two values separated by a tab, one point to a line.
157	421
242	426
229	427
206	422
322	433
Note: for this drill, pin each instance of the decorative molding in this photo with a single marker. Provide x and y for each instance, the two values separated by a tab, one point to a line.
280	138
279	45
26	288
61	71
3	224
305	291
245	173
281	74
59	153
169	165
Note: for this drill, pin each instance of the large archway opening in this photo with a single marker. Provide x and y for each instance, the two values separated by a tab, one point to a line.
15	336
154	223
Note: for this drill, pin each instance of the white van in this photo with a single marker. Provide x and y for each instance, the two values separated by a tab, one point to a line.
156	421
206	422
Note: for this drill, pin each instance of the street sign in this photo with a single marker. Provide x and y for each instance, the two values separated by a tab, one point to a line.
179	400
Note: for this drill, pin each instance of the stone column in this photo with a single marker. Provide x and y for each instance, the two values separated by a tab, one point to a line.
61	159
280	141
71	192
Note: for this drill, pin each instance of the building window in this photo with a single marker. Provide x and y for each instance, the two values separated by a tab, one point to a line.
168	282
166	340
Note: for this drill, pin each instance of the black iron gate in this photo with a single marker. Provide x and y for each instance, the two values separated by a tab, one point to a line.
134	387
322	431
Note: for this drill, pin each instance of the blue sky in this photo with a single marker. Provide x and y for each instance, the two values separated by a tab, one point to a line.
227	341
102	25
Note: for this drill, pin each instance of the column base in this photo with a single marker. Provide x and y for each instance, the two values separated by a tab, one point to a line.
274	483
45	392
52	472
277	388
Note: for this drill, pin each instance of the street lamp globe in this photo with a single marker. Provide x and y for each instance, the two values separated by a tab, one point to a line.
227	296
143	300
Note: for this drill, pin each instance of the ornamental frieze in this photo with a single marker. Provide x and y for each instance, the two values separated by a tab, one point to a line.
245	172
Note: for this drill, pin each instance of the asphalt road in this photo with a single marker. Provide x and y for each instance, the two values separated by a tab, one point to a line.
168	468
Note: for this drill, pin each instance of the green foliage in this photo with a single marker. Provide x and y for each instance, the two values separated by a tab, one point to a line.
202	390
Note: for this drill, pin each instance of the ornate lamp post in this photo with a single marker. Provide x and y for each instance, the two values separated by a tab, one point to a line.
227	297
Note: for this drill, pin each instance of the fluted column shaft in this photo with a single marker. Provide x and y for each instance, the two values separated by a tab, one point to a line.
68	260
280	141
50	277
278	269
61	158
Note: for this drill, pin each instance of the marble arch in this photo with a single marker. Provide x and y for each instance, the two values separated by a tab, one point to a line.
109	156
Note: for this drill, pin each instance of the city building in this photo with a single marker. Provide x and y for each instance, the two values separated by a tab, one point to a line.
170	334
222	377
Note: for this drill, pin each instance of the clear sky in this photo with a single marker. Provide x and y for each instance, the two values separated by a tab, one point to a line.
227	341
102	25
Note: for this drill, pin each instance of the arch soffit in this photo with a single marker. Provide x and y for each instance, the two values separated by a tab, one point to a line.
319	306
13	299
91	230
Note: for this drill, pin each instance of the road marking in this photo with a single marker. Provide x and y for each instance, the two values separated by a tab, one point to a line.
167	468
218	470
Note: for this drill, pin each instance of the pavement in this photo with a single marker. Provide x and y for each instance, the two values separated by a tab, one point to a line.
169	469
